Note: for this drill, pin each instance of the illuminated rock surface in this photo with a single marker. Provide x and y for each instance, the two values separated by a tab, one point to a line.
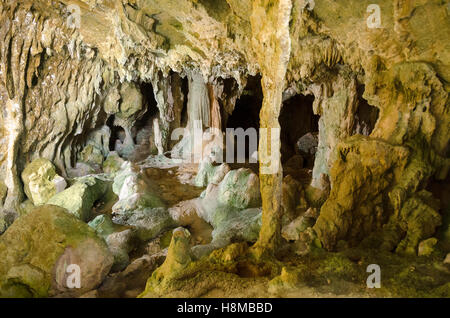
99	103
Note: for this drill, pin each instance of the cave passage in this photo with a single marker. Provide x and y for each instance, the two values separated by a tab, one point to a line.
142	129
366	115
299	136
246	114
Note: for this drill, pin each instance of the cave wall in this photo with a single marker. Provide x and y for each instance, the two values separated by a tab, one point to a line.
56	80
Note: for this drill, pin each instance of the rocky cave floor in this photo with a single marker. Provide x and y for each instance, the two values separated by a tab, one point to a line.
227	270
318	273
190	192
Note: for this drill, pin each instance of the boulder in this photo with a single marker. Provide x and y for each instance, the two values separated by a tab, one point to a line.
291	232
102	225
231	208
185	214
307	144
427	247
41	181
79	198
120	244
113	163
82	169
38	249
444	232
240	189
135	191
148	222
210	173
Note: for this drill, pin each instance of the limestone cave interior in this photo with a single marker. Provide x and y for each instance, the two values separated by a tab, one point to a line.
123	173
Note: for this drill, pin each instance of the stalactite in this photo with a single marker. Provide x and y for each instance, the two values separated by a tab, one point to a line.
198	101
216	120
169	98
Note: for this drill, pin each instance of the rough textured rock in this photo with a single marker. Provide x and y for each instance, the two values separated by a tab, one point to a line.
113	163
3	192
41	181
135	191
148	222
79	198
7	218
185	214
231	208
392	171
139	206
307	145
427	247
34	261
291	231
273	49
102	225
131	282
178	258
210	173
293	200
120	244
240	189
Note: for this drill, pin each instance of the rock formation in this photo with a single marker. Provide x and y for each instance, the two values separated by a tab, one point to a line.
94	93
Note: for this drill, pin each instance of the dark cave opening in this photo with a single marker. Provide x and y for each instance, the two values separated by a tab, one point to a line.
142	130
185	92
117	133
366	115
299	133
246	115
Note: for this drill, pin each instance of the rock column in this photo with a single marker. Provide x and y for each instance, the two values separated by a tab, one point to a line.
271	42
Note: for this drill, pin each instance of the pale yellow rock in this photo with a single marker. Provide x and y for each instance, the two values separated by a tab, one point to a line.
41	181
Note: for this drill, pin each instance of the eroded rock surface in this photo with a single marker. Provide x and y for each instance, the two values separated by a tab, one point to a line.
38	248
